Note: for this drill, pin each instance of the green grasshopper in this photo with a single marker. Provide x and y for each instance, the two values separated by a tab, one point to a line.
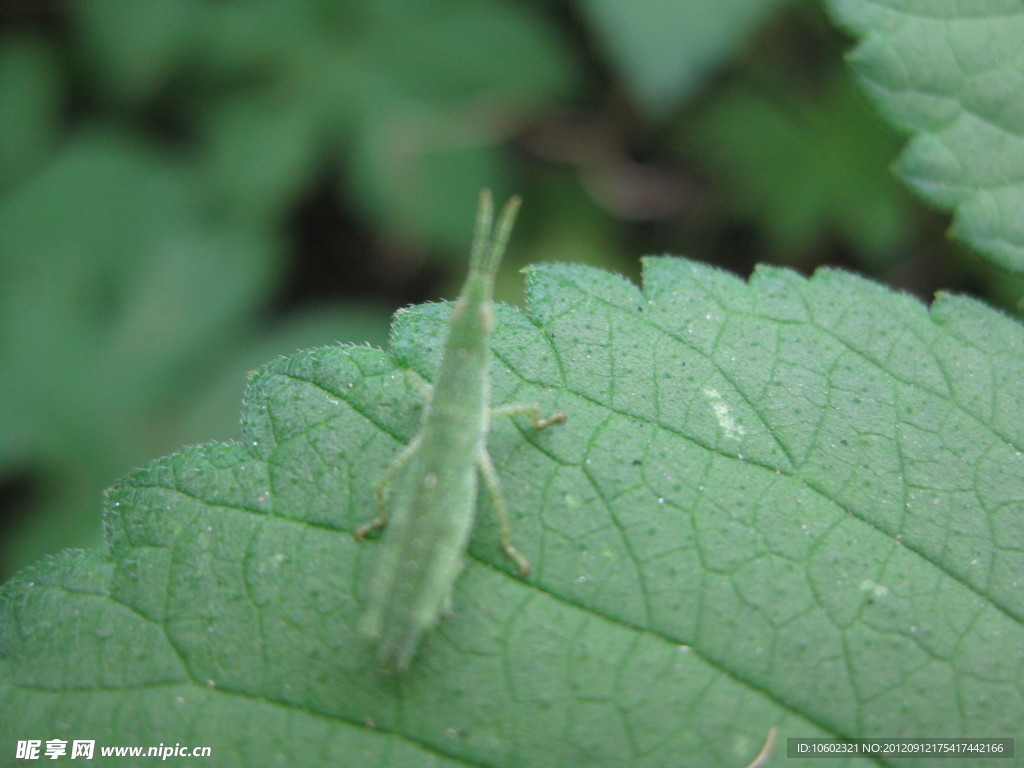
428	494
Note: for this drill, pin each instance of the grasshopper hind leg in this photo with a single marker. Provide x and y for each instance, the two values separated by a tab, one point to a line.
497	499
491	476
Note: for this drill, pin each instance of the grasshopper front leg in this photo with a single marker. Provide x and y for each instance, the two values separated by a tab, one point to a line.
382	507
424	388
530	409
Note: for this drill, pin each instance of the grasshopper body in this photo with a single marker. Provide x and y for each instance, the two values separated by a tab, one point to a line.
428	495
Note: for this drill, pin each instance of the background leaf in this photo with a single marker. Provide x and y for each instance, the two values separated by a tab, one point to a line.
29	78
837	179
950	75
118	291
787	502
665	48
112	292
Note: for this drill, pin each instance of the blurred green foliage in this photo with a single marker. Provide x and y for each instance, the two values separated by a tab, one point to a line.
662	49
834	182
190	187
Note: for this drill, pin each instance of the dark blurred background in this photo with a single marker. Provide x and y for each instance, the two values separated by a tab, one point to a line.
190	188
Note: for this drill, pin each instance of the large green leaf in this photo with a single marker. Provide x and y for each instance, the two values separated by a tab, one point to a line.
790	502
951	74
